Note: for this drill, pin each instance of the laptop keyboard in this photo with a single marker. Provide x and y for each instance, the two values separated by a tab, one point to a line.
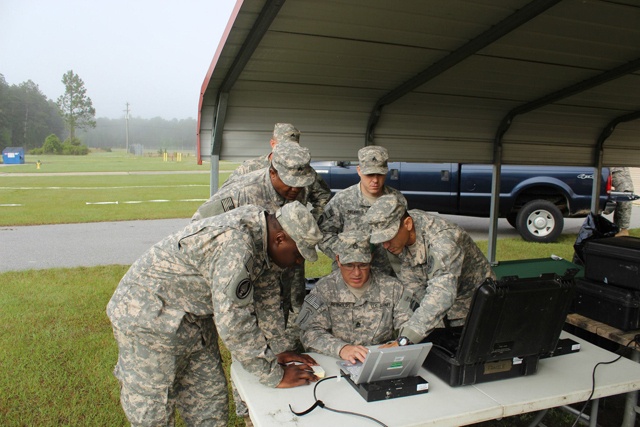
353	370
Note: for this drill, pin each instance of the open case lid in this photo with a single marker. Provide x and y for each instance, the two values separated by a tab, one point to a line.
515	317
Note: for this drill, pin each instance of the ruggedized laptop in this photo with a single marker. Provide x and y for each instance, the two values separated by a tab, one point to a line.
387	373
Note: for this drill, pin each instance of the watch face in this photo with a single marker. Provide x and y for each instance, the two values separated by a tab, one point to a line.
403	341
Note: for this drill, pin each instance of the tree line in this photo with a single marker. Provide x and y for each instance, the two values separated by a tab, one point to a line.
28	118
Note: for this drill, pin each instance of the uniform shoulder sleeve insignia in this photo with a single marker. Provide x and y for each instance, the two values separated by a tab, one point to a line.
312	305
240	289
227	204
216	207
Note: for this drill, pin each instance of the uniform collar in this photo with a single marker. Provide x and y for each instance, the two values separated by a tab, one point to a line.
273	194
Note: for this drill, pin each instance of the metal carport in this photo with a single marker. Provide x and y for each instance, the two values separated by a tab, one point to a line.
489	81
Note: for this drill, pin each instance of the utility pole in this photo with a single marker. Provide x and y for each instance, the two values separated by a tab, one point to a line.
26	120
126	122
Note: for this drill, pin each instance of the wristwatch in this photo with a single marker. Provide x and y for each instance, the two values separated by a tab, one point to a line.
402	341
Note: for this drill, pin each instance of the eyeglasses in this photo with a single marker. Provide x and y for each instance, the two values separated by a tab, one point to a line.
352	266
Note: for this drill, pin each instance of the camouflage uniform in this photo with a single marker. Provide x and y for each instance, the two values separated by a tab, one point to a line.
332	316
169	309
345	211
319	192
255	188
442	268
250	165
318	195
621	181
291	161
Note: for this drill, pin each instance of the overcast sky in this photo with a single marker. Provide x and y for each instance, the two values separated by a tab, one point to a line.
153	54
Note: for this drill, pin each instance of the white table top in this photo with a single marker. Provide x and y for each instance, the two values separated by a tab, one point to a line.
559	381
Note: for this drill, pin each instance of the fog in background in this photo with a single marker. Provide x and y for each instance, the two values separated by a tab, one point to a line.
152	54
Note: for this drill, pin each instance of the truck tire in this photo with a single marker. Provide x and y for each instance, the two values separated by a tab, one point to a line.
540	221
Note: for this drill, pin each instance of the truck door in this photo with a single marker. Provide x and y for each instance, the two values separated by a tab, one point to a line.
475	189
427	186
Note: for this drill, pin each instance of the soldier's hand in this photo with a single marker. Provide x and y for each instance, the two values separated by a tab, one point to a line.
354	353
291	356
296	375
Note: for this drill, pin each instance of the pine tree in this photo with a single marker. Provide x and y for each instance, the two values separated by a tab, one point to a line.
75	106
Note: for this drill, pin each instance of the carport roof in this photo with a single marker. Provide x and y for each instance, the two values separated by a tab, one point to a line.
537	82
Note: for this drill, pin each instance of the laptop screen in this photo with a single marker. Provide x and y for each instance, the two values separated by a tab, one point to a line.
515	317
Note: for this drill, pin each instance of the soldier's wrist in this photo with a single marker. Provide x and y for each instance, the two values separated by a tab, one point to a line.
410	334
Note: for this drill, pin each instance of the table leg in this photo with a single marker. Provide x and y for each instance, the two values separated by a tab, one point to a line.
538	418
593	418
631	400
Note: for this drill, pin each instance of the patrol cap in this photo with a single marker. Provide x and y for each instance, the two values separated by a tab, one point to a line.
353	246
292	163
299	224
384	217
285	132
373	160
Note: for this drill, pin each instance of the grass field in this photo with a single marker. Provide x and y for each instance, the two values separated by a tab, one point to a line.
56	346
116	161
118	188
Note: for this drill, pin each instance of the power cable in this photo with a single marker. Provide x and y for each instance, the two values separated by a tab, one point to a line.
319	403
635	339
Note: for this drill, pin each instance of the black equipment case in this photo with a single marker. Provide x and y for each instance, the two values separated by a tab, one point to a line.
616	306
511	324
614	260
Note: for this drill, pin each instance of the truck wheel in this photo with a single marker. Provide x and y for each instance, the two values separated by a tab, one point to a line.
540	221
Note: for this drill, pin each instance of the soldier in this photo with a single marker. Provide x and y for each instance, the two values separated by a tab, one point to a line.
192	287
319	192
286	179
441	264
354	306
345	211
621	181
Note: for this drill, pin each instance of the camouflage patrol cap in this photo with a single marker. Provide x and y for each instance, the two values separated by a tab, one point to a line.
384	217
353	246
292	163
373	160
299	224
285	132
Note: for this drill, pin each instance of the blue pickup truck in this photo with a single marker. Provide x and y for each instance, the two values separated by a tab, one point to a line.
534	199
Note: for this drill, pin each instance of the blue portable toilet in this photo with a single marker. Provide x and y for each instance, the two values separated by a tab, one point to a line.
13	155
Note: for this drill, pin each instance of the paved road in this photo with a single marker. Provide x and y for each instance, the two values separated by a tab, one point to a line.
76	245
122	242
